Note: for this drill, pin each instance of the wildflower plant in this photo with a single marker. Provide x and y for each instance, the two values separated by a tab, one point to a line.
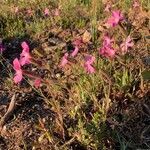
115	19
128	43
25	59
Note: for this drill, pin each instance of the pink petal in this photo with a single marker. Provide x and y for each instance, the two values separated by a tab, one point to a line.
129	42
118	15
37	82
29	12
89	69
1	48
115	13
126	44
77	42
107	52
57	12
25	58
136	4
110	52
110	22
102	51
107	8
16	9
24	61
114	19
18	77
89	59
25	46
107	41
64	60
16	64
25	55
75	51
17	68
46	11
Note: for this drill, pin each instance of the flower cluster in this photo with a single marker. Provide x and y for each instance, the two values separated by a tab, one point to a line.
89	59
73	53
114	19
25	58
107	50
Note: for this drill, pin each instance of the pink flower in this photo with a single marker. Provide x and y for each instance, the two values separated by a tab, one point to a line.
136	4
126	45
57	12
17	68
89	60
114	19
29	12
107	8
89	68
1	48
107	41
107	52
75	51
107	49
25	55
25	46
64	60
37	82
46	11
77	44
16	10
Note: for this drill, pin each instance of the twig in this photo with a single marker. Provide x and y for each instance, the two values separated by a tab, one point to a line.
68	142
9	112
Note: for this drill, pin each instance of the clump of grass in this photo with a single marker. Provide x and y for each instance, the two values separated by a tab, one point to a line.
96	14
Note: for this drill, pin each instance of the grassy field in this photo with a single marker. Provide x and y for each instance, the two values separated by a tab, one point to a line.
74	75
